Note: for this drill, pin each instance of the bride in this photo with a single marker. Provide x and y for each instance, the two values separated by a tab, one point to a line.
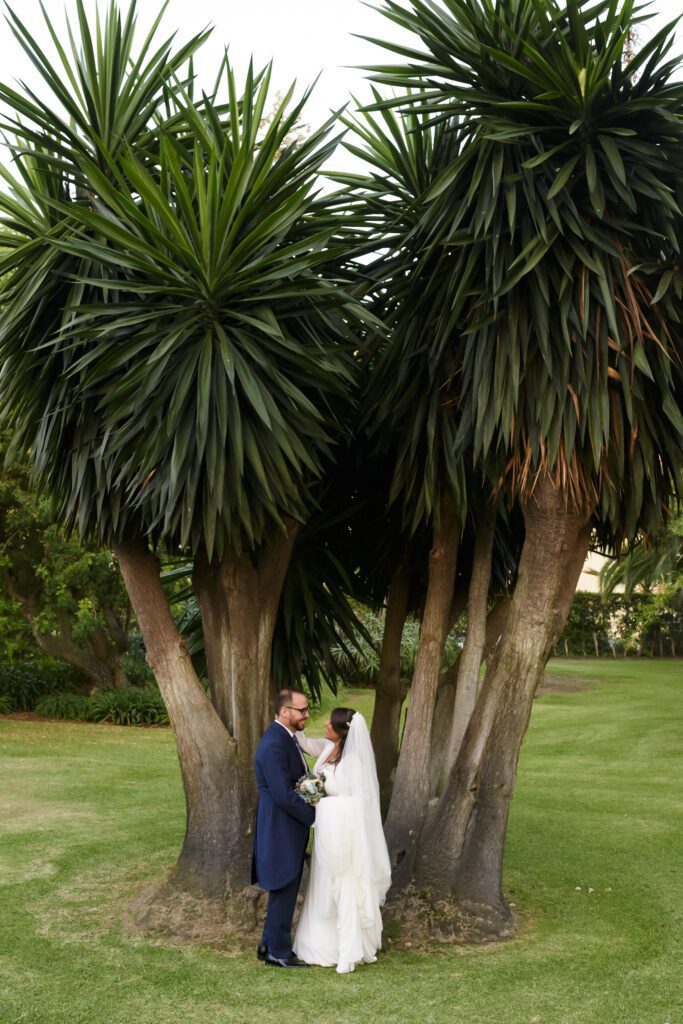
350	874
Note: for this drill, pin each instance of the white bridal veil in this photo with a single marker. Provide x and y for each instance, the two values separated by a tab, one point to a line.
359	761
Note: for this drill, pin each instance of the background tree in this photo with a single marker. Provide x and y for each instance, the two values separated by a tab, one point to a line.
70	594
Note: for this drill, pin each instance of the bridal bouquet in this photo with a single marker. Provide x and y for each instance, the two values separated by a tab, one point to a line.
311	787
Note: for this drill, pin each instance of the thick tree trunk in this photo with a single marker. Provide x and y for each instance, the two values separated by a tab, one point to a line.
445	694
389	691
216	738
213	851
496	621
238	601
441	726
461	851
231	649
412	783
496	624
469	664
210	590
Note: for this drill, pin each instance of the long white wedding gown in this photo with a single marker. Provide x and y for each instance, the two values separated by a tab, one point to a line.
341	923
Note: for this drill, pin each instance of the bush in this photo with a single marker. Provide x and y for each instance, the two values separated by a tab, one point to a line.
25	682
72	706
7	705
138	672
643	624
135	664
30	686
129	707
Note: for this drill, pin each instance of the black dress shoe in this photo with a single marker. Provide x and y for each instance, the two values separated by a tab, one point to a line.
261	951
292	961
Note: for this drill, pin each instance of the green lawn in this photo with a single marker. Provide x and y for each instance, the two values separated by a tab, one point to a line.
593	864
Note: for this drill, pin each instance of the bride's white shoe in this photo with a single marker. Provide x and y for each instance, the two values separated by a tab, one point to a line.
344	968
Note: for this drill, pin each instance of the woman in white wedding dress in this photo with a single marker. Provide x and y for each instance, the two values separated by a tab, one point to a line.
341	923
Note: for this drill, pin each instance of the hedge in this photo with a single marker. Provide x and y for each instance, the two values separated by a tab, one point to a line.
648	625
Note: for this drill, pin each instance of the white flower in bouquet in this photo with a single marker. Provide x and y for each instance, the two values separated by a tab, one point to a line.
311	787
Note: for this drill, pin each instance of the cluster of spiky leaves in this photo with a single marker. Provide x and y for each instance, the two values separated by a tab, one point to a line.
405	157
102	94
544	257
657	565
177	351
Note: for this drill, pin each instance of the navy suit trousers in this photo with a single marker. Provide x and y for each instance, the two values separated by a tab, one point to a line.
277	930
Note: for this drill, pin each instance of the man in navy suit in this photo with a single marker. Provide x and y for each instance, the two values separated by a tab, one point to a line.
283	820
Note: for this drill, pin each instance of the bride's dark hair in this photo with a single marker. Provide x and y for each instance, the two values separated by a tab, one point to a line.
340	720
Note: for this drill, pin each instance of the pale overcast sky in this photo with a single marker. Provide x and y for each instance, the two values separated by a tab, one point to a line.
304	37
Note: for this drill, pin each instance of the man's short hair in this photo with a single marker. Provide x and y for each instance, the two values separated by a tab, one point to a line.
285	698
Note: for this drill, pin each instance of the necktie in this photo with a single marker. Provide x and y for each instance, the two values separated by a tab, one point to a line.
299	752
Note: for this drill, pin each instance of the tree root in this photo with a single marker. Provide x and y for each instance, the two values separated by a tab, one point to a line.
413	919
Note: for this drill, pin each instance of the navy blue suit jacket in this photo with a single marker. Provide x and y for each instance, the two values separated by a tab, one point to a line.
283	818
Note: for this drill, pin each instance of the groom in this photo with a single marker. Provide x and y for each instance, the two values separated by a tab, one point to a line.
282	823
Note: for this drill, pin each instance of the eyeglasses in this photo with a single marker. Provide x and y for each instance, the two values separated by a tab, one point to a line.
302	711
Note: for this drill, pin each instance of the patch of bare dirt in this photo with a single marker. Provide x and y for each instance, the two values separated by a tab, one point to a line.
85	906
563	684
30	716
176	917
